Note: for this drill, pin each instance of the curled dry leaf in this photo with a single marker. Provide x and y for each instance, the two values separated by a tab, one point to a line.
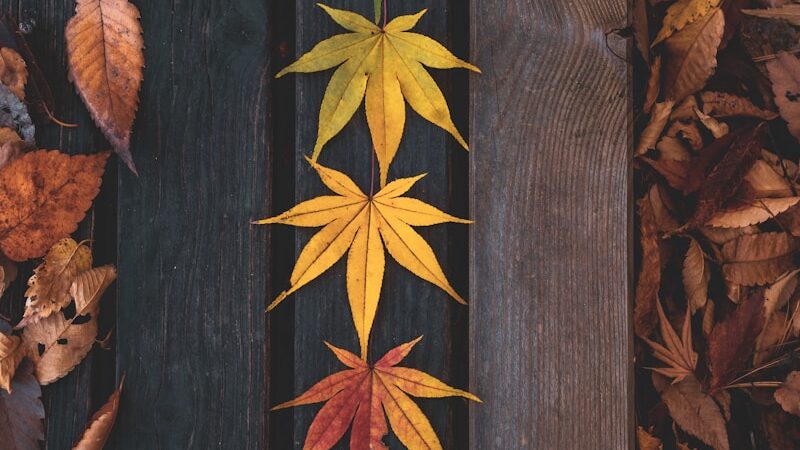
788	395
105	58
99	428
13	72
759	259
48	288
723	105
365	395
385	66
688	131
691	55
696	275
658	120
59	342
43	196
693	410
682	13
732	341
11	354
645	315
756	212
784	73
647	441
717	128
677	351
364	224
22	412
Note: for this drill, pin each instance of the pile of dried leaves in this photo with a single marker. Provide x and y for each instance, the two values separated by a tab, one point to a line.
717	304
44	195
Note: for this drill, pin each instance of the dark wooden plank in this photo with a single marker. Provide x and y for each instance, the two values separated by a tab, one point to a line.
72	400
549	328
193	272
409	307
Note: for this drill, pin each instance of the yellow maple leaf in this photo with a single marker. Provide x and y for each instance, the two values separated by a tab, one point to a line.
385	66
364	225
682	13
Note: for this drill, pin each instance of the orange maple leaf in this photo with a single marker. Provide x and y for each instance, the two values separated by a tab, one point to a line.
356	396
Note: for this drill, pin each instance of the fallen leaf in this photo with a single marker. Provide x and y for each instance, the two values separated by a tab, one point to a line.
651	133
361	394
677	351
105	59
756	212
696	275
693	410
101	423
653	84
8	273
784	72
766	182
717	128
732	341
48	288
789	13
57	344
645	315
385	66
641	28
723	105
364	225
772	336
788	395
687	131
647	441
22	412
681	14
11	355
720	236
778	293
13	72
43	196
759	259
691	55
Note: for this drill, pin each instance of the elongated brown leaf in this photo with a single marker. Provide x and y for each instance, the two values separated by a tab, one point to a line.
696	275
104	52
43	196
101	424
645	315
21	412
693	410
723	105
732	341
658	120
691	55
758	259
753	213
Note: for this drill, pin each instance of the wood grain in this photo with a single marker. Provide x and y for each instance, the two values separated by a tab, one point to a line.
191	323
549	329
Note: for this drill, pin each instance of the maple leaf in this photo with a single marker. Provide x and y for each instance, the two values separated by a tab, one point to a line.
693	410
365	225
681	14
102	422
57	344
21	412
677	351
13	72
48	290
43	196
759	259
385	66
105	58
361	394
692	55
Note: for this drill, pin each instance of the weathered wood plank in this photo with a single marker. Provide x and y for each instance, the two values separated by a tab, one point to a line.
549	327
409	307
192	290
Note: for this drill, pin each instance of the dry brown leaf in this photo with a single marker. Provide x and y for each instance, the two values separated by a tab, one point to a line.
691	55
781	166
708	318
21	413
788	395
8	273
647	441
688	131
766	182
11	355
673	149
677	352
651	133
101	424
653	85
732	340
778	293
43	196
789	13
13	72
771	337
720	236
105	57
756	212
685	110
649	282
784	72
696	275
717	128
48	290
57	344
723	105
641	28
693	410
681	14
759	259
